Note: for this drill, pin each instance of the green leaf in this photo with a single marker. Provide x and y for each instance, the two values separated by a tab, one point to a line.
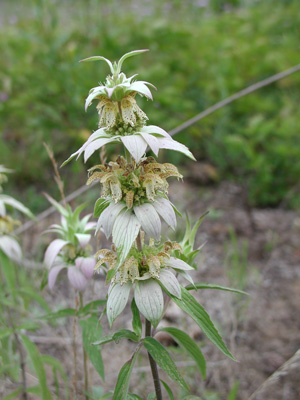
34	295
66	312
99	58
234	391
91	330
13	395
116	336
38	366
168	390
189	304
57	366
127	55
5	332
151	396
163	359
195	229
184	340
203	285
136	320
91	306
100	206
56	205
122	385
9	272
132	396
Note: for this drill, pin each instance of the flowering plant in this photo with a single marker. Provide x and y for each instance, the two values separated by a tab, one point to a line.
71	251
133	201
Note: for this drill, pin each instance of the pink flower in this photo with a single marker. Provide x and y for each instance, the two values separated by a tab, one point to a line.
78	274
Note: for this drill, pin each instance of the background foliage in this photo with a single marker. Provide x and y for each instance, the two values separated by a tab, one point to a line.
199	55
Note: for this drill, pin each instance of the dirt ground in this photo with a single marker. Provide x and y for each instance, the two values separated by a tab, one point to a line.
257	250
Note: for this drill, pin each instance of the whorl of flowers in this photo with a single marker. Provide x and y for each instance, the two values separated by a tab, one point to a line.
72	251
149	273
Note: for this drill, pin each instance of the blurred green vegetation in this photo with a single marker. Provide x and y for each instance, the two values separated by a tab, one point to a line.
199	55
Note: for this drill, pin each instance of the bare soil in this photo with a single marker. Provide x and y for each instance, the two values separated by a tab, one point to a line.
261	330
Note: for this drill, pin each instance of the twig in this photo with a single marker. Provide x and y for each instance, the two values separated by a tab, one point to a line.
293	362
57	177
186	124
236	96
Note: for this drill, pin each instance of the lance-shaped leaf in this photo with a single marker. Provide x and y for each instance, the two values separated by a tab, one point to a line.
99	58
91	330
166	211
202	285
136	320
53	250
116	336
38	365
149	219
100	206
170	282
168	390
189	345
136	146
189	305
122	385
127	55
117	301
149	300
125	231
163	359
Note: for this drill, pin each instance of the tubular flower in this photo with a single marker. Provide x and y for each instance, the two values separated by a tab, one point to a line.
134	198
71	251
120	118
149	274
133	183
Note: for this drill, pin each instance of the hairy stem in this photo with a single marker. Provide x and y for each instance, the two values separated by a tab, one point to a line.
153	365
85	361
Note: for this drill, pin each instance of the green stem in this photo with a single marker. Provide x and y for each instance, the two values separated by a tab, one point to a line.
85	361
153	365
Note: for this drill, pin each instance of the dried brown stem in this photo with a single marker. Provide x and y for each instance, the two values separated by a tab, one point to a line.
57	177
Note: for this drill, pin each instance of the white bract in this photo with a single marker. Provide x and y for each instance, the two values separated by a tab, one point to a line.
8	243
148	287
136	143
